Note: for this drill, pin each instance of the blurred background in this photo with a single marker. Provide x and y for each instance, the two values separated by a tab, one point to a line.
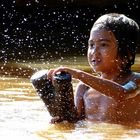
48	29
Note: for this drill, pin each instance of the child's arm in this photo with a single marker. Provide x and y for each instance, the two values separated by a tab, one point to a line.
79	102
106	87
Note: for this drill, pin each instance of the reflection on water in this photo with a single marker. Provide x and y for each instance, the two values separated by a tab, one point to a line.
89	131
23	116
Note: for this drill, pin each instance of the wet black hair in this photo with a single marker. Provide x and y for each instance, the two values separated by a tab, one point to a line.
126	32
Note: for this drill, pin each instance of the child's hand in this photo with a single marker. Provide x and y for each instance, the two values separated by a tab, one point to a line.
56	119
52	72
73	72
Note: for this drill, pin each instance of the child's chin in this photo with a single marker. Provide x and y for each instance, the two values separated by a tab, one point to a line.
97	69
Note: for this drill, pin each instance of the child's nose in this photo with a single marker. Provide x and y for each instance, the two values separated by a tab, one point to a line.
95	50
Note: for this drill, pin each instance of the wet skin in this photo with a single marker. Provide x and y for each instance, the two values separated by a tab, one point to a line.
102	57
98	107
104	97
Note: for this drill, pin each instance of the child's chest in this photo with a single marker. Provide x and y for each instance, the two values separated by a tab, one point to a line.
96	103
94	97
100	107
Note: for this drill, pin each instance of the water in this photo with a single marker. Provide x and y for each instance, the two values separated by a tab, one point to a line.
24	116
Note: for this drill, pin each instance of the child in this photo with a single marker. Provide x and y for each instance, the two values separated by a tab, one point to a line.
113	95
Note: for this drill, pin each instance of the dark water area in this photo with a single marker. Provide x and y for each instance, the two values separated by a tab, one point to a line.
39	30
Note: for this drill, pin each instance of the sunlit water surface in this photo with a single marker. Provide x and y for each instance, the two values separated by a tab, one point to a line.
24	116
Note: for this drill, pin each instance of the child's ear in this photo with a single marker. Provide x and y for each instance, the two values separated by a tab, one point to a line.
129	55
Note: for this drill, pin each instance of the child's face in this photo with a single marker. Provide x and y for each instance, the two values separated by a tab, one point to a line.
102	51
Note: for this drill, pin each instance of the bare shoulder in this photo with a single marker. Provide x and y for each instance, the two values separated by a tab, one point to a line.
134	86
137	74
82	85
136	77
81	89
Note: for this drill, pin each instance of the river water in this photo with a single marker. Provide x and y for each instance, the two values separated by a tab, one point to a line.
24	116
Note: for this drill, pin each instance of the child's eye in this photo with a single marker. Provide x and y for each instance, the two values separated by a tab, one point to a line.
104	44
91	45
